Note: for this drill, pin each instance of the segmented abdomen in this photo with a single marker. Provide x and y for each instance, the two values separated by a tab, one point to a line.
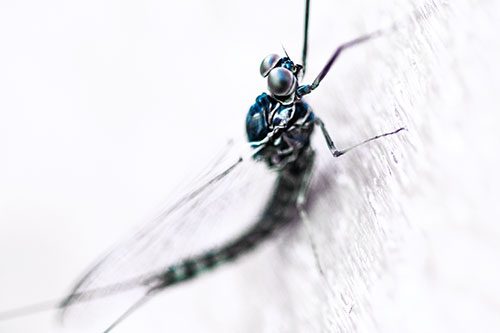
280	210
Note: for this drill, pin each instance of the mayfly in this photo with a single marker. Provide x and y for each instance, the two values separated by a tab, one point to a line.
279	126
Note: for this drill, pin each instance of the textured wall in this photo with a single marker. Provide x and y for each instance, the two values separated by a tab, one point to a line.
409	234
105	105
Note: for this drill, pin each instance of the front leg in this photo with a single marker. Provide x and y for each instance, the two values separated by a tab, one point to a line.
335	152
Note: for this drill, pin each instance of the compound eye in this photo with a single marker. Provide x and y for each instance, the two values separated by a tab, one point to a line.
281	82
268	64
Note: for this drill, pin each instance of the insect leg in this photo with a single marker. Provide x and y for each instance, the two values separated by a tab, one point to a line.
307	223
339	50
336	152
301	200
306	89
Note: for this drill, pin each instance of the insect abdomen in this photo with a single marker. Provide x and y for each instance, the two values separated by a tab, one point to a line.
280	210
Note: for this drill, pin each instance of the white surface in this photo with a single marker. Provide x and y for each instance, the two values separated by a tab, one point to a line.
105	106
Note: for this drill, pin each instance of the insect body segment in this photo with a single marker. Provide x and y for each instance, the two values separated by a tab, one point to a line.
285	128
282	77
279	211
280	121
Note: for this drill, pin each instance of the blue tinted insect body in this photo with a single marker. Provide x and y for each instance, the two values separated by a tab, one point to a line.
279	126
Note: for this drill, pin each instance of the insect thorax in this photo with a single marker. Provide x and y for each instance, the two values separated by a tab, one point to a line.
290	125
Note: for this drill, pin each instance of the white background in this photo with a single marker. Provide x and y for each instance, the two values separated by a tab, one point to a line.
106	105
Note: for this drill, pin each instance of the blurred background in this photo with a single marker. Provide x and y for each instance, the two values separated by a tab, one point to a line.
107	106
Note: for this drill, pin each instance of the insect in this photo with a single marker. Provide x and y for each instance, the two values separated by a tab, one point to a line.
279	126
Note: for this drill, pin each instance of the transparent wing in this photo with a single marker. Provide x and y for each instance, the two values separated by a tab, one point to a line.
218	206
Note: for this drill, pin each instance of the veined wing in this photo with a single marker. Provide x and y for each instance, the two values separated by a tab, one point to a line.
223	203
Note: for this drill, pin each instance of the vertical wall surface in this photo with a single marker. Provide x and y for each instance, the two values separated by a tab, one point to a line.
407	231
105	106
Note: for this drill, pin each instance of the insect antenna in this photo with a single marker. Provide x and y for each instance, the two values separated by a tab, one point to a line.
306	32
284	50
